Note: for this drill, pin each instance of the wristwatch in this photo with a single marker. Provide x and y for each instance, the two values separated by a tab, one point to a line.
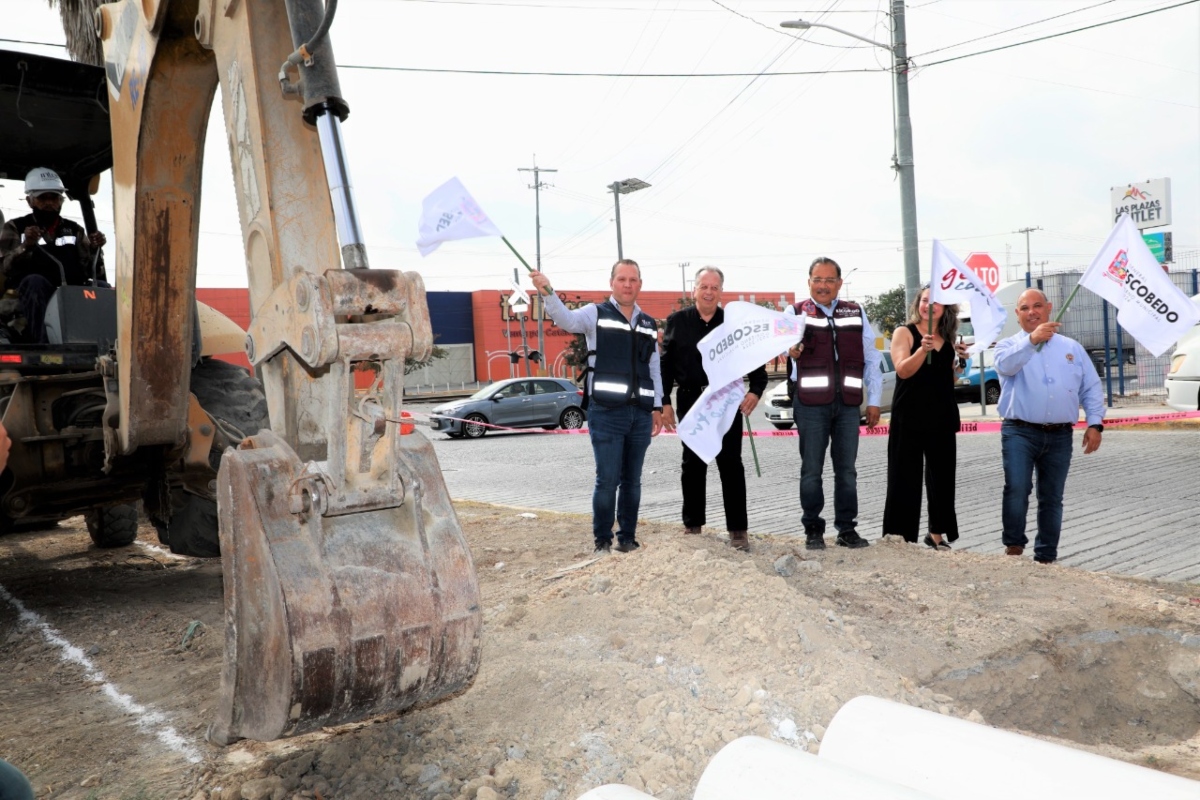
1099	428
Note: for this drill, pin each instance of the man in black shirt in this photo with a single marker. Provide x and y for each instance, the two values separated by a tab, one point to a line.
683	367
44	250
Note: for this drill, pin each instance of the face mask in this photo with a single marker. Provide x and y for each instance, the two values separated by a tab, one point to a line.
44	217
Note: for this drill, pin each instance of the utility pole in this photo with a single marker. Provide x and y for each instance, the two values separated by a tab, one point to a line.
683	265
903	160
1028	263
537	227
524	340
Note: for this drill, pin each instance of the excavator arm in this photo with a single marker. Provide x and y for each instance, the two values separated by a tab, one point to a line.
349	587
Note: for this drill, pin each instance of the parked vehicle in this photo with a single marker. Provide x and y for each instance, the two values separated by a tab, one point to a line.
778	409
1183	377
514	403
966	388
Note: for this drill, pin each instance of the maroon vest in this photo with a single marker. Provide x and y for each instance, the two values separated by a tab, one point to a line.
833	357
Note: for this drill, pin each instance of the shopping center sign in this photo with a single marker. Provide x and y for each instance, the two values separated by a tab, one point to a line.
1148	203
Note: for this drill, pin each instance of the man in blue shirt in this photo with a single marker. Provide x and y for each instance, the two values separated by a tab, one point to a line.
1044	379
623	394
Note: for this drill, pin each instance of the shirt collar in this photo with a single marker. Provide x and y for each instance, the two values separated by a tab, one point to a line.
827	309
612	298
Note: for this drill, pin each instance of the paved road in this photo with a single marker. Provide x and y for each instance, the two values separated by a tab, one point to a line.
1133	507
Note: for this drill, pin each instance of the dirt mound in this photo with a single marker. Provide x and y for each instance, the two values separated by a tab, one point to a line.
629	668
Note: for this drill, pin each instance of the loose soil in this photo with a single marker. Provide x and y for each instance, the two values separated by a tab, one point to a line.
635	668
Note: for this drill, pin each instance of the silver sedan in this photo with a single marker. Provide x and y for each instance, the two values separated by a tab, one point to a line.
514	403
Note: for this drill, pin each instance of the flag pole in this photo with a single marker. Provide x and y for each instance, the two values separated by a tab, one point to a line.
1061	311
753	449
504	239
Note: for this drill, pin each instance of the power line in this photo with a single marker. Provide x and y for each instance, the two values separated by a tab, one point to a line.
1063	33
774	29
613	74
1010	30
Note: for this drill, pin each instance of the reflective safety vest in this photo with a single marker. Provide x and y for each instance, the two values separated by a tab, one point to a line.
621	374
832	363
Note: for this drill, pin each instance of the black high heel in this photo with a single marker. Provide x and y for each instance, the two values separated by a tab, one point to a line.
942	545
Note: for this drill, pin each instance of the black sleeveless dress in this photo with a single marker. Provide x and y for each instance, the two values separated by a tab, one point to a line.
921	444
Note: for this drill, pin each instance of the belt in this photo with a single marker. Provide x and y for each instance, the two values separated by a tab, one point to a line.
1043	426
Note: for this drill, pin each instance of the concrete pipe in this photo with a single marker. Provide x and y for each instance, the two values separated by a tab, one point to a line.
753	767
615	791
951	758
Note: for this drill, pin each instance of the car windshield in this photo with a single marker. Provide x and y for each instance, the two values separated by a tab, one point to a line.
483	393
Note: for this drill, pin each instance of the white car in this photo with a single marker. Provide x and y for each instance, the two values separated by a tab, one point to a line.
778	410
1183	376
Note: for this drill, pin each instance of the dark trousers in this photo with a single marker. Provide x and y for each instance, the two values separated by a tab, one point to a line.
35	292
694	474
832	427
1025	451
914	450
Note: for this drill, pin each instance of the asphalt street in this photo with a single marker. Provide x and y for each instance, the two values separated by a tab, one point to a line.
1132	507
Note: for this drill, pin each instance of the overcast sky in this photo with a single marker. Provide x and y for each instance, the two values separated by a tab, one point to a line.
756	175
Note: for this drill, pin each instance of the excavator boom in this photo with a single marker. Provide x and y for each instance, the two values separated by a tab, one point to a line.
349	587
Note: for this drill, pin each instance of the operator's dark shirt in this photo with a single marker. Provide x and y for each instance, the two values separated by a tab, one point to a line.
682	365
68	242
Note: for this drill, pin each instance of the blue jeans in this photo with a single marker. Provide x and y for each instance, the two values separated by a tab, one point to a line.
819	427
1022	450
619	437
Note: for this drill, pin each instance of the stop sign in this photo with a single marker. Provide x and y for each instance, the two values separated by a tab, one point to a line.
985	268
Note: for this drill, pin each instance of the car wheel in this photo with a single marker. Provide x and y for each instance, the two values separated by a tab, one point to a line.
783	426
471	428
572	419
992	392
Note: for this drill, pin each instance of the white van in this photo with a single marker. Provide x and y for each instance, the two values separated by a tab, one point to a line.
1183	377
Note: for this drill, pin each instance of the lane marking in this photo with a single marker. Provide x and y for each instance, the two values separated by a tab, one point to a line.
147	718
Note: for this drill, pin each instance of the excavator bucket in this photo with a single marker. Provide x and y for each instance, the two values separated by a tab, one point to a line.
330	619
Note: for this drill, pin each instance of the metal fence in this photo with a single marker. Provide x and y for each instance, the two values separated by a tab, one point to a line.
1131	375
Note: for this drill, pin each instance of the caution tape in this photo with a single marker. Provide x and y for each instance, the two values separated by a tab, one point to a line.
877	431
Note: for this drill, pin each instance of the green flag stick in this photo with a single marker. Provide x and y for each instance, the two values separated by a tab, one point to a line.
523	261
1061	311
753	449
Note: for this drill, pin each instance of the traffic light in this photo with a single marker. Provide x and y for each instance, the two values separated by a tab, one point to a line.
535	356
515	357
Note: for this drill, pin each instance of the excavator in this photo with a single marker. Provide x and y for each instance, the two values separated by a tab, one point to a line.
349	588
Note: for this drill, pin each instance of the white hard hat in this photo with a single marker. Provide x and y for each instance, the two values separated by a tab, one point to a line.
41	180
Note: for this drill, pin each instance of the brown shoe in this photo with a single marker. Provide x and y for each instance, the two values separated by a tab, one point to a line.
1013	550
691	529
738	540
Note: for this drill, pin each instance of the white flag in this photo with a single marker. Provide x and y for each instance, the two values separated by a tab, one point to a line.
707	422
1150	306
953	282
450	213
750	336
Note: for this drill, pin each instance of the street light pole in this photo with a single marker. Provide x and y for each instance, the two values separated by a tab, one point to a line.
902	160
619	188
683	265
904	156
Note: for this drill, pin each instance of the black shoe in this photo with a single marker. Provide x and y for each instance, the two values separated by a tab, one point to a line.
628	546
603	547
942	545
1044	560
814	541
851	539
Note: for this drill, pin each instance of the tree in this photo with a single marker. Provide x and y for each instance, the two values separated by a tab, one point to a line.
887	311
576	355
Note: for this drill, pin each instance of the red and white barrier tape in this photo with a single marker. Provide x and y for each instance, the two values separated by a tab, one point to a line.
879	430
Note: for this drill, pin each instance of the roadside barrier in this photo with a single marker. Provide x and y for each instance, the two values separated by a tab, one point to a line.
878	430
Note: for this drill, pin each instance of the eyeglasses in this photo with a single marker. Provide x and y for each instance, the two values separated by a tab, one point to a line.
826	281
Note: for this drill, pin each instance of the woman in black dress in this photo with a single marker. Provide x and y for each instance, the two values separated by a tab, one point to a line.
923	425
